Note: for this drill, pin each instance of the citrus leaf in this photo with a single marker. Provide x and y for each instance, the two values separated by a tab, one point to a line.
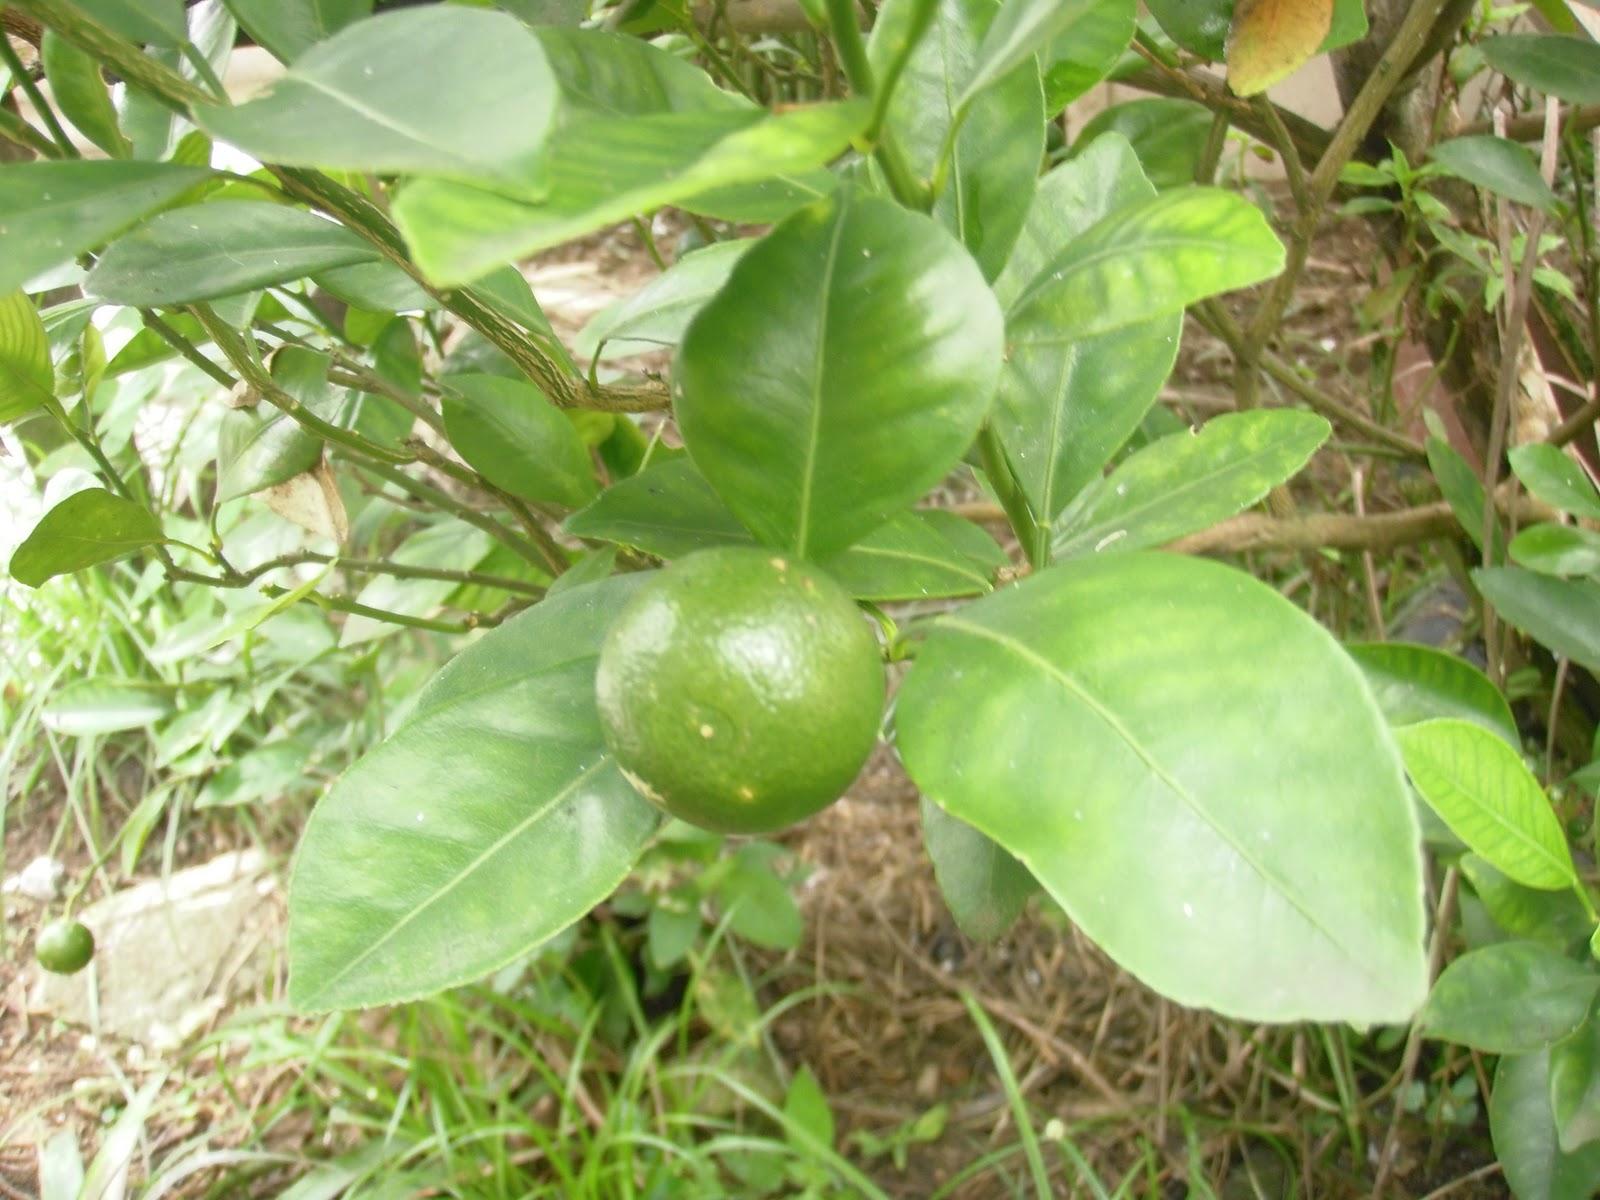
1063	409
81	94
658	313
88	527
602	73
259	447
1509	998
1498	165
1575	1088
1168	136
1268	40
489	821
1148	259
606	169
1564	614
27	380
286	29
1194	770
151	22
1553	477
1549	549
1189	481
54	211
1463	491
1419	683
353	102
213	250
994	162
517	440
1558	65
1554	919
1087	51
1009	41
668	510
840	373
983	885
1200	26
919	554
1480	788
91	707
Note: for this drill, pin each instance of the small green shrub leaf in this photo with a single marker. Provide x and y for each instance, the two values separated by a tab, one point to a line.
259	447
1498	165
213	250
983	884
356	101
286	29
150	22
806	1106
1564	550
1555	919
1480	788
919	554
1194	770
1553	477
1086	51
1020	28
54	211
658	313
875	344
517	440
1168	135
1418	683
88	527
1510	998
606	169
1555	64
606	74
1564	614
1575	1087
1189	481
667	510
27	379
1063	408
81	94
1463	491
490	820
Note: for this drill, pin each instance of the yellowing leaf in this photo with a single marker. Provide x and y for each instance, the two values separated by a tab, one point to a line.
1271	39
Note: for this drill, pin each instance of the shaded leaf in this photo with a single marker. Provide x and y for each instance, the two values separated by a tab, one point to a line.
1194	770
213	250
88	527
1555	478
1564	614
286	29
1498	165
1575	1088
91	707
1509	998
1463	491
602	73
1169	136
490	820
1568	550
258	447
1019	29
78	90
919	554
983	885
668	510
852	332
1085	53
517	440
149	22
658	313
1419	683
1554	919
1480	788
1567	68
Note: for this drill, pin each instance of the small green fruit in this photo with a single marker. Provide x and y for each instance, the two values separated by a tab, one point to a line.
64	947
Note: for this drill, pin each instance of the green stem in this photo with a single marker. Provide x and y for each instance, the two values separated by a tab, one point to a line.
1034	537
239	579
922	13
14	129
846	29
473	620
191	352
202	68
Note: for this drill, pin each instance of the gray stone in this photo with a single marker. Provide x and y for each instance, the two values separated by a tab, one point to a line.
169	953
42	880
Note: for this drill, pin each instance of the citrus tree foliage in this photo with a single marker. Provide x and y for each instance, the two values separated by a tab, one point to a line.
900	284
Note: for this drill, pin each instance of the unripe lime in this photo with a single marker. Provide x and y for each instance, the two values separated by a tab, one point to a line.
741	690
64	947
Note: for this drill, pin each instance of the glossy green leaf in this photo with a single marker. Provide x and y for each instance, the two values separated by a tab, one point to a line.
490	820
1168	135
213	250
27	380
1552	476
919	554
450	545
379	286
658	313
1190	481
286	29
611	74
517	440
1463	491
50	212
1567	550
607	169
1419	683
1498	165
1510	998
840	373
150	22
1194	770
1480	788
358	102
668	510
1063	409
81	94
1563	614
259	447
983	885
1567	68
88	527
994	162
1085	53
1575	1088
91	707
1147	259
1554	919
1019	29
1200	26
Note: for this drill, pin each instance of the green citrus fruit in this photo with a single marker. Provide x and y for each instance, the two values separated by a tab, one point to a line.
64	947
741	690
